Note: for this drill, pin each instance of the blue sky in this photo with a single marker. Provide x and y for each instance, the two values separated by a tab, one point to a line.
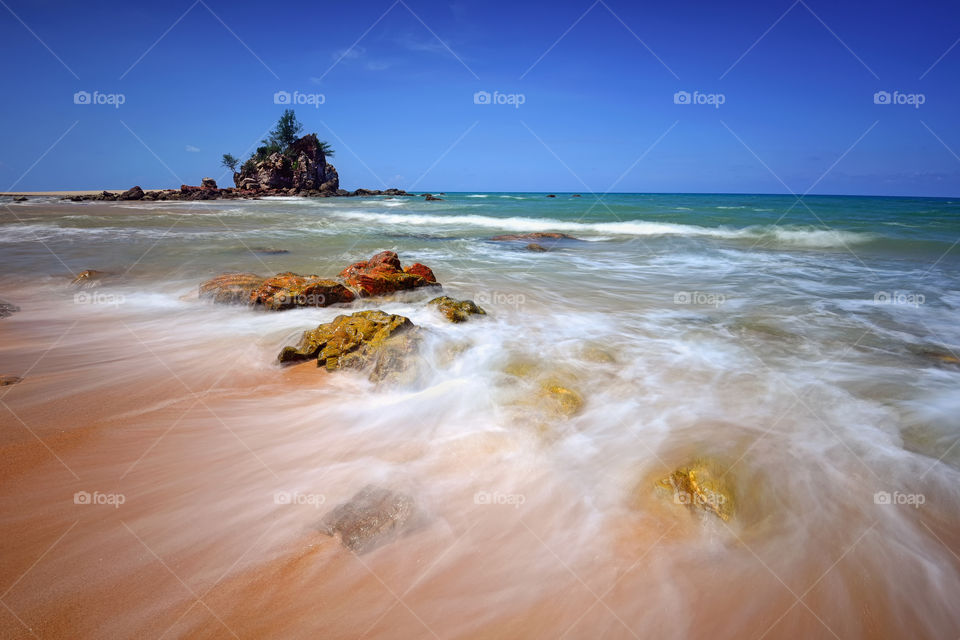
597	81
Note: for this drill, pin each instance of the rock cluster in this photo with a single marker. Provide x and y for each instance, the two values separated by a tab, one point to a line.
381	274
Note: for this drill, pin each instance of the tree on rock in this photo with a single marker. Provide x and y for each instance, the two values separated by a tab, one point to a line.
230	162
286	131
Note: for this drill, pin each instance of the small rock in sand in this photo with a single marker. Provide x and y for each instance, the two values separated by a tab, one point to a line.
371	518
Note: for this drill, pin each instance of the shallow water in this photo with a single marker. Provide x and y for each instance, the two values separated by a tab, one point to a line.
808	349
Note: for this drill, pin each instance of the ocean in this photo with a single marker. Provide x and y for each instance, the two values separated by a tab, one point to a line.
808	349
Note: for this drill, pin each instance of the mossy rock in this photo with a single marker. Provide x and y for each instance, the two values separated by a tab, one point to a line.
456	310
385	342
701	486
563	401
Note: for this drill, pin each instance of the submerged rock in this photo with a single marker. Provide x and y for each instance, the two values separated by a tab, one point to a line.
89	278
231	288
289	290
940	356
383	274
537	235
366	338
270	251
701	486
372	517
8	380
456	310
533	246
7	309
562	401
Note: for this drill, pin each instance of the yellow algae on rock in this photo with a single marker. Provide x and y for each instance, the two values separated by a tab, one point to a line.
701	485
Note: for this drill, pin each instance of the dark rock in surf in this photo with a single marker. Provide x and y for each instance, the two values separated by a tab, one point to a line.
7	309
538	235
371	518
133	193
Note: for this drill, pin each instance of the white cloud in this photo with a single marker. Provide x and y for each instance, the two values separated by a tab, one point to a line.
192	149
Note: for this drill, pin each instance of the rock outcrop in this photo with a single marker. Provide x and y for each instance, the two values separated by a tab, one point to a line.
456	310
383	274
133	193
384	343
372	517
289	290
302	167
380	275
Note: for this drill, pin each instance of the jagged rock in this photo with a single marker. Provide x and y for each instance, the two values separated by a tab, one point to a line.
289	290
231	288
538	235
430	197
456	310
7	309
88	279
701	486
208	183
9	380
348	341
383	274
369	519
533	246
302	167
133	193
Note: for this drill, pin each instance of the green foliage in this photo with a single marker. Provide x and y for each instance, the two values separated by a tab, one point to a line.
280	140
230	162
285	133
